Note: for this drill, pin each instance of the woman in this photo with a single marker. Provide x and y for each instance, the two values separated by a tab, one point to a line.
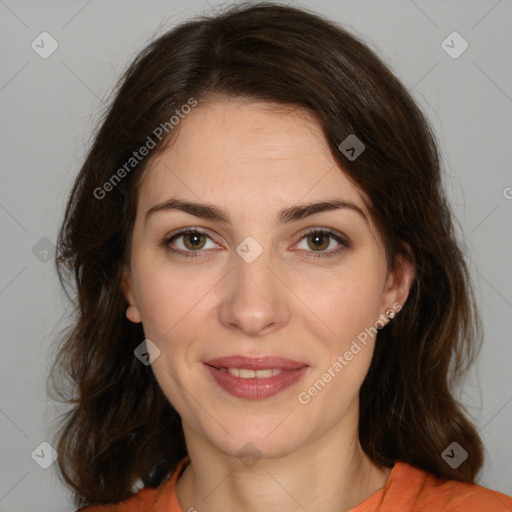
272	308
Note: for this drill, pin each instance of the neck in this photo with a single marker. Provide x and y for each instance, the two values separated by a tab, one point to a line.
333	477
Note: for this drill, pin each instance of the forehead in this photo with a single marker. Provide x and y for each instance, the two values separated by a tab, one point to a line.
250	154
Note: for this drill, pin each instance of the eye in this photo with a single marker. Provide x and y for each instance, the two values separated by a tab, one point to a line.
192	241
320	239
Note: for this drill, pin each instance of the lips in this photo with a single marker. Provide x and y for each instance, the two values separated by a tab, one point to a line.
255	363
255	378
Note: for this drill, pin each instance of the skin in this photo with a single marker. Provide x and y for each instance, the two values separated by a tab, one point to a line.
253	159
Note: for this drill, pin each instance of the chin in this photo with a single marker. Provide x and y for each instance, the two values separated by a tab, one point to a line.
268	438
250	449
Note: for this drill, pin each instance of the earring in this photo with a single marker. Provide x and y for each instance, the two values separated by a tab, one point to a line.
390	313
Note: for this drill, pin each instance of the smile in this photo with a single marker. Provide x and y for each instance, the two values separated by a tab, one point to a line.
252	384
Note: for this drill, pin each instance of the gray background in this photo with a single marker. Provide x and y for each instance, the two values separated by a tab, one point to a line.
50	106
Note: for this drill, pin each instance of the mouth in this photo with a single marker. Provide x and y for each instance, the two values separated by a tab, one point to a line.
255	363
246	373
257	377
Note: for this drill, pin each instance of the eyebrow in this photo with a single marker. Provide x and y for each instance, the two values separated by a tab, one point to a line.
287	215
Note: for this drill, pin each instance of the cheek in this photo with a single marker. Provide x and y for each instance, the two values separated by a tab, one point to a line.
346	303
174	305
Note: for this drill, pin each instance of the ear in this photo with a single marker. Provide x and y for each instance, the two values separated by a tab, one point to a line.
126	283
398	284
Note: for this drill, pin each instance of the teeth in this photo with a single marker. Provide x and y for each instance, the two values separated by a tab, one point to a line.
244	373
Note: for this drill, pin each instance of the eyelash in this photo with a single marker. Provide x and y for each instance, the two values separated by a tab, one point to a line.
195	254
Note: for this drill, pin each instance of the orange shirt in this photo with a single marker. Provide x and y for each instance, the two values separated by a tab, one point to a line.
408	489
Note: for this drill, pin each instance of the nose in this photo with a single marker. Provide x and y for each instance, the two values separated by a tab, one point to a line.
254	298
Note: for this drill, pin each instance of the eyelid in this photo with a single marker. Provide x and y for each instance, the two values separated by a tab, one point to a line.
340	238
169	238
343	239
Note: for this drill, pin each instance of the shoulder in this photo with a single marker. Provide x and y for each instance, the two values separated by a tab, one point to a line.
420	490
148	499
143	501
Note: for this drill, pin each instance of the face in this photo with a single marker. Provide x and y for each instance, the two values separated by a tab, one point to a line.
258	283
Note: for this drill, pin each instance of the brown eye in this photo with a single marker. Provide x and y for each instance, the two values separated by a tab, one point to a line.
319	241
192	240
188	243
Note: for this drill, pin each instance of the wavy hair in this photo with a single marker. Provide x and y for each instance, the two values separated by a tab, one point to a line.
120	426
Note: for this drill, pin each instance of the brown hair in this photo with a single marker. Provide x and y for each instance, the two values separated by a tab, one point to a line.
121	426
